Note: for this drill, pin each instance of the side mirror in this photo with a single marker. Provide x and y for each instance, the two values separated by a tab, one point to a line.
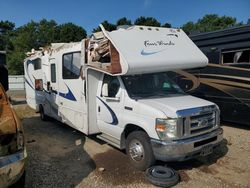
105	90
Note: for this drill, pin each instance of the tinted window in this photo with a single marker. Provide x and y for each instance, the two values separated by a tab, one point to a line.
239	56
71	65
53	73
113	85
37	64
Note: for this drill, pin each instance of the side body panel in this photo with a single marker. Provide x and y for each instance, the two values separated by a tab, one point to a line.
72	106
34	96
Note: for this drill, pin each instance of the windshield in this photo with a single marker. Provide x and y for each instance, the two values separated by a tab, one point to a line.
151	85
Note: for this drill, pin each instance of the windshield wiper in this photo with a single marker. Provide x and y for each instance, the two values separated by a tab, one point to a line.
142	96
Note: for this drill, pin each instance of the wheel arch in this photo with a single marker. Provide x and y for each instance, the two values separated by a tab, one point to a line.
127	130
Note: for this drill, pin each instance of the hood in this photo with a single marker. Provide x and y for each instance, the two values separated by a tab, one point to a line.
170	105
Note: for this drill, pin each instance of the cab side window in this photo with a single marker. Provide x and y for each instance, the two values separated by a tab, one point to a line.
113	85
53	72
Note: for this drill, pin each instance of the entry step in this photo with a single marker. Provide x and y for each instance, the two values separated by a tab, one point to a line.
109	139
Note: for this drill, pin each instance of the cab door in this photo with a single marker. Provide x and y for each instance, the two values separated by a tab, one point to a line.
110	107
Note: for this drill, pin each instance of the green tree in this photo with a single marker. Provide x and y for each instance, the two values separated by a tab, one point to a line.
39	34
70	32
148	21
213	22
108	26
123	21
15	62
167	25
6	31
210	22
47	32
6	26
24	39
188	27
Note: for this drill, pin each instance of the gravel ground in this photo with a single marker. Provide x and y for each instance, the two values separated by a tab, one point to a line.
59	156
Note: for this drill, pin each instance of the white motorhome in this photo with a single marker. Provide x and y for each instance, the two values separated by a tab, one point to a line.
115	85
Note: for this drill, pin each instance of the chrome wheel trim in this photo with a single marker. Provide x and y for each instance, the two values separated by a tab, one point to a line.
136	150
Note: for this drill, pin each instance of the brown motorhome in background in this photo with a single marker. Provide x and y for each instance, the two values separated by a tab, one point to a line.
226	79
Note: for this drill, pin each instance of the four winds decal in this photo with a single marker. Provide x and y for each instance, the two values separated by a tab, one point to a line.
160	43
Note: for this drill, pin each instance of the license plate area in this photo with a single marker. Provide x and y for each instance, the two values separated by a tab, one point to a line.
206	150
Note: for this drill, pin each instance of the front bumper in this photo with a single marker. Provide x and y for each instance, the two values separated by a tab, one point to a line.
12	168
185	149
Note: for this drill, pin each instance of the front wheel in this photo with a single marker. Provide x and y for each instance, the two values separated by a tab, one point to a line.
139	150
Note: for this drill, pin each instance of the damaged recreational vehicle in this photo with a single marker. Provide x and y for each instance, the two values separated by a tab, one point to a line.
115	85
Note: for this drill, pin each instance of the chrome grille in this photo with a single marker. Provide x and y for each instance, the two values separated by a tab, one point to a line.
202	123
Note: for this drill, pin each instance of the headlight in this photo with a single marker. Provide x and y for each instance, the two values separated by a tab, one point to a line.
217	117
20	140
166	128
8	144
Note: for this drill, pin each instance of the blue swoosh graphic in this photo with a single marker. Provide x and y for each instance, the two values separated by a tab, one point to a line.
150	53
29	84
69	95
114	117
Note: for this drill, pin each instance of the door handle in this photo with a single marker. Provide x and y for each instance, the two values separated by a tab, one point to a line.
61	103
99	109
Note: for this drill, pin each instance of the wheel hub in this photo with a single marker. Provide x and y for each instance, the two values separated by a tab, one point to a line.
136	150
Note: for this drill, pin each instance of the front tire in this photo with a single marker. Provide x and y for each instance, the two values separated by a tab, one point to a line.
139	150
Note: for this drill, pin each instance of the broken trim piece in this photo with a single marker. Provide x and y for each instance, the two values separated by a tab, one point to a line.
102	54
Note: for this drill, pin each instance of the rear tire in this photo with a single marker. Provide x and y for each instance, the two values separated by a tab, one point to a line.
139	150
42	114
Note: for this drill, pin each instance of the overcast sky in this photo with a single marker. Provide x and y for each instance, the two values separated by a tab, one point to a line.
89	14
